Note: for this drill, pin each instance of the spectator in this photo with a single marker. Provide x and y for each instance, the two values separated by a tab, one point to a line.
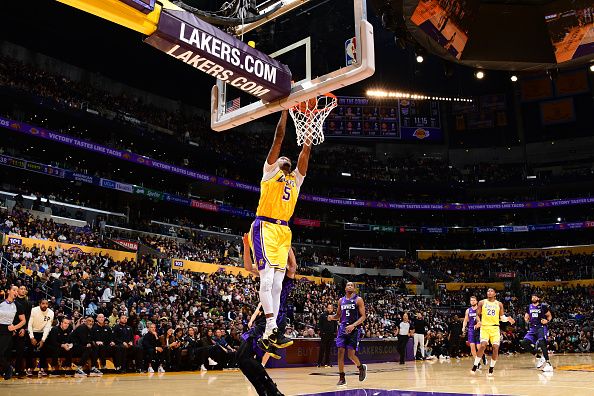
420	327
40	325
58	345
153	351
82	346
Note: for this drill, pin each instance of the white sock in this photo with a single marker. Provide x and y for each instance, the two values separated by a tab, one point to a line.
493	362
477	360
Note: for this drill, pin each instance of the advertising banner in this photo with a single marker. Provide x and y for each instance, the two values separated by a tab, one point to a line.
212	51
130	245
204	177
197	266
457	286
306	222
502	285
484	254
40	243
304	352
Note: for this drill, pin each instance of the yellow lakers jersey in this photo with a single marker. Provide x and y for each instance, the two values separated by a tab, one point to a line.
490	313
278	196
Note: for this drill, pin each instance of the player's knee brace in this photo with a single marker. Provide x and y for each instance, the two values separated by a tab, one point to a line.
277	282
266	285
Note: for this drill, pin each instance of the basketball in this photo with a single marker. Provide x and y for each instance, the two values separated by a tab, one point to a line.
308	105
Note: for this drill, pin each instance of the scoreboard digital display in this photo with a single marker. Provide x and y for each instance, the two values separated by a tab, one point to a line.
360	117
419	120
419	114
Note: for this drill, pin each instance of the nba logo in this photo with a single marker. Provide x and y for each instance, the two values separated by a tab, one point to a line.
350	51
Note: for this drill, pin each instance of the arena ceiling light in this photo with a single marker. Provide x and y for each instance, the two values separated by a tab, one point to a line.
514	78
592	67
479	74
346	174
382	94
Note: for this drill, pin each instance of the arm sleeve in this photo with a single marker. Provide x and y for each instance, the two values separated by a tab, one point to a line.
269	171
299	178
47	327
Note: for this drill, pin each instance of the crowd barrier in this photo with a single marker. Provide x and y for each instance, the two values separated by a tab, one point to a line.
197	266
116	255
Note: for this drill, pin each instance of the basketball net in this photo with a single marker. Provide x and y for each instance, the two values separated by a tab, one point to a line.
309	118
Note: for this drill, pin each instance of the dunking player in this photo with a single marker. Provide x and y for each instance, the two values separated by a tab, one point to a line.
489	313
270	235
538	317
351	313
248	365
473	330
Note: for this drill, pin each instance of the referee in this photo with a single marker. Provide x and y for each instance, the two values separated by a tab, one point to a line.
8	311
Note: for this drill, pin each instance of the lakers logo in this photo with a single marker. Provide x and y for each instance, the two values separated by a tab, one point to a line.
421	134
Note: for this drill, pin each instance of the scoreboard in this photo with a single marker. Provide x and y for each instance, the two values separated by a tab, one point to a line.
419	119
360	117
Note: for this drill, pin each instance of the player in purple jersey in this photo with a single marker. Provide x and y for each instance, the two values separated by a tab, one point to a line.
537	317
350	314
251	345
473	329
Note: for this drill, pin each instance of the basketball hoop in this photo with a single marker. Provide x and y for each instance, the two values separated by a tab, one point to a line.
309	118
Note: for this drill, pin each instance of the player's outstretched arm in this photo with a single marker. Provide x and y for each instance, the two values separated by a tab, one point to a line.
254	315
247	257
279	135
303	161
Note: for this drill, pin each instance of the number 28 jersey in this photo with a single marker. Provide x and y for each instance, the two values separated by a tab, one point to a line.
490	313
278	193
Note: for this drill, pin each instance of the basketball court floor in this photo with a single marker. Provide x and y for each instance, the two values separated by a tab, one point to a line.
514	375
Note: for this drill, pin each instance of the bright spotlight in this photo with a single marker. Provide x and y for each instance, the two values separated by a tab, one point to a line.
420	59
480	75
592	68
514	78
